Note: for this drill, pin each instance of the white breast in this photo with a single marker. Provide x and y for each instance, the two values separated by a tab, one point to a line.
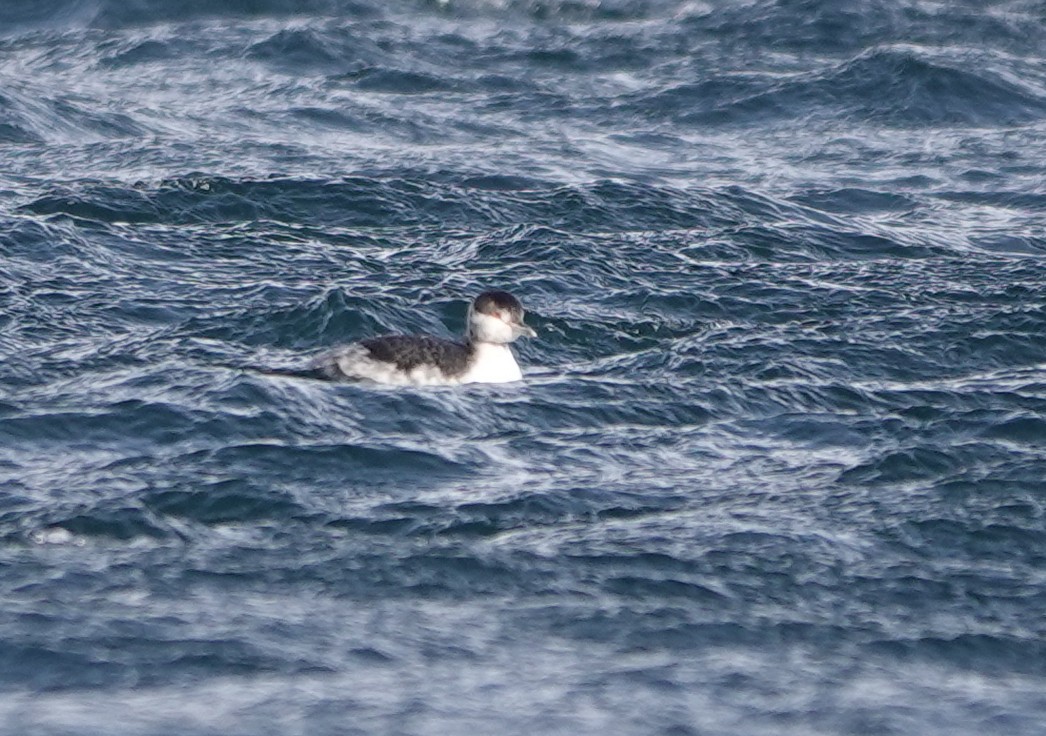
493	364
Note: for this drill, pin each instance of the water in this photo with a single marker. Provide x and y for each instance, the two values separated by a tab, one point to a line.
777	466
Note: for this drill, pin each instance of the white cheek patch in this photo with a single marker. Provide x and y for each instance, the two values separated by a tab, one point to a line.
488	328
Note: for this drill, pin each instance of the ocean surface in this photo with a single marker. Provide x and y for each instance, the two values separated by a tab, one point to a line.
778	463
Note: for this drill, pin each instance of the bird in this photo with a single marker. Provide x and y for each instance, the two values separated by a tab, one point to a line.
495	320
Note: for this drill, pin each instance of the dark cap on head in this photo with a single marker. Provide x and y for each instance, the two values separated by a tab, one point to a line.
490	302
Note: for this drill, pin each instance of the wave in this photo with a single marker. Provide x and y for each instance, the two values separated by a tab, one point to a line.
30	118
893	86
531	216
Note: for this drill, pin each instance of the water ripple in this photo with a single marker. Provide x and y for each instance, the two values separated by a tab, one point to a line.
777	463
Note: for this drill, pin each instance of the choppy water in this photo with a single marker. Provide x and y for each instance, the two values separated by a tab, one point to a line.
778	464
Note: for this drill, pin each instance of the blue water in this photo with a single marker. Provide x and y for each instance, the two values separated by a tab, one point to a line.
778	463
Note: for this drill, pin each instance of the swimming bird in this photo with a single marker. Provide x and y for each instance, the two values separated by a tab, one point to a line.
495	319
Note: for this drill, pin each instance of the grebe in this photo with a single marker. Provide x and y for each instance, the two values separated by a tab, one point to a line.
495	319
